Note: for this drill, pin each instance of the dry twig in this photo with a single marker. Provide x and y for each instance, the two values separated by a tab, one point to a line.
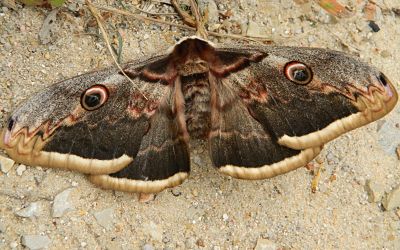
180	26
98	18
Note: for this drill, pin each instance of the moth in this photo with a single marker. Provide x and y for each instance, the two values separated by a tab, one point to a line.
265	110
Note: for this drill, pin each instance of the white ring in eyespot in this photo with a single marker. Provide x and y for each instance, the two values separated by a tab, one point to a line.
298	72
94	97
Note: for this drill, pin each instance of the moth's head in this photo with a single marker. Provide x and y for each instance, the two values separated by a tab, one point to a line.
66	118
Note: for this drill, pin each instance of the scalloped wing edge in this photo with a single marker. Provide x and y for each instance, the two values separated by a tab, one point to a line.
370	110
269	171
137	186
27	153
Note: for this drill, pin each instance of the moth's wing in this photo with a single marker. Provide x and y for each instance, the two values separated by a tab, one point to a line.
241	147
264	124
162	160
134	132
52	129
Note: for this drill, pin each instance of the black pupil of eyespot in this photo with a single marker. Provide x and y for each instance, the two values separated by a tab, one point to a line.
10	124
92	100
300	75
383	79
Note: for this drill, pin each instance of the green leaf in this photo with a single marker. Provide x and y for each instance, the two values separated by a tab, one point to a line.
52	3
56	3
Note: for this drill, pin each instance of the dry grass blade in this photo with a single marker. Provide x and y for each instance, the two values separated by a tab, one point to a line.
98	18
201	30
186	18
315	180
180	26
334	8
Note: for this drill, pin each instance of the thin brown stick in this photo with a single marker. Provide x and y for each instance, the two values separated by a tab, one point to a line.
153	13
186	18
180	26
99	20
201	30
143	18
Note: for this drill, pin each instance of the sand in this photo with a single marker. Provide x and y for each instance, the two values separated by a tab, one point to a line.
208	211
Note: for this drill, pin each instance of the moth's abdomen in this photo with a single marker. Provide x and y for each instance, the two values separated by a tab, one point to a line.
196	91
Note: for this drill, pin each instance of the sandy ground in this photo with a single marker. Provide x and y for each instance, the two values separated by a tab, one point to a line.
208	211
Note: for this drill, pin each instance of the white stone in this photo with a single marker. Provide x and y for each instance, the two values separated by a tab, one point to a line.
264	244
13	245
392	199
6	164
374	190
35	241
155	231
105	218
20	169
254	30
61	203
31	210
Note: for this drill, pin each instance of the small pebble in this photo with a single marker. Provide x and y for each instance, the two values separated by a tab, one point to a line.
190	243
27	212
6	164
165	239
148	247
20	169
13	245
61	203
264	244
144	197
2	227
374	190
225	217
35	241
254	30
198	160
211	8
153	230
392	199
385	53
200	243
374	26
105	218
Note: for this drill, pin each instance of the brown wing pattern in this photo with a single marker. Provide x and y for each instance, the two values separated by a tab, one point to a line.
240	145
341	94
162	160
134	134
265	111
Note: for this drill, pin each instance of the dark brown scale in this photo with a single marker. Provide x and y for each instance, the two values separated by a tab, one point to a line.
196	91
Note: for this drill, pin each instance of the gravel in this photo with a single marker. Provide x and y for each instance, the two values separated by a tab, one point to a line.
264	244
337	217
105	218
29	211
392	199
6	164
61	203
374	190
34	242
